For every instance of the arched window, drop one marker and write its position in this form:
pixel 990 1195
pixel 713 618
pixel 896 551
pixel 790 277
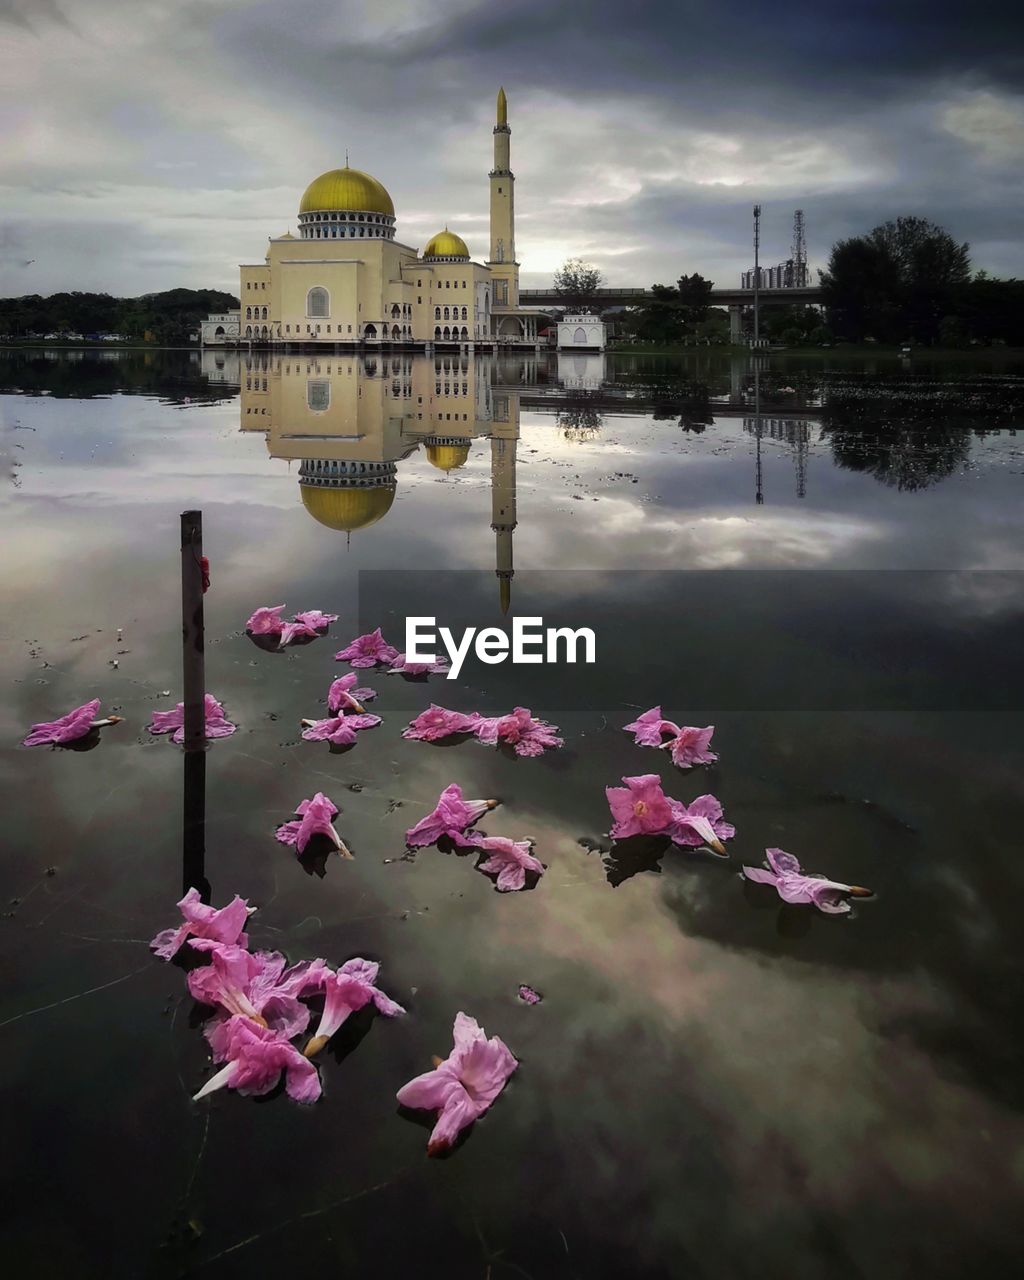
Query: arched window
pixel 465 314
pixel 370 332
pixel 248 330
pixel 318 303
pixel 396 311
pixel 437 313
pixel 396 334
pixel 446 316
pixel 318 394
pixel 248 313
pixel 580 335
pixel 264 313
pixel 465 334
pixel 447 332
pixel 219 333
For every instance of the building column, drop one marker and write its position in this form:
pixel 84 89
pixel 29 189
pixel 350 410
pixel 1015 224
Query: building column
pixel 736 325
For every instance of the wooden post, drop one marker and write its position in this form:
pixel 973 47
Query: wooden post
pixel 193 827
pixel 192 630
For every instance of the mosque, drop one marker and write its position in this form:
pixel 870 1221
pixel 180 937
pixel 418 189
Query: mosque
pixel 345 279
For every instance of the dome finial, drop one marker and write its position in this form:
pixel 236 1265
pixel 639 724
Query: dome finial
pixel 346 157
pixel 502 107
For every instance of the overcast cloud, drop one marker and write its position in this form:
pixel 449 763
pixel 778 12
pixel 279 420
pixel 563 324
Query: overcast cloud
pixel 158 143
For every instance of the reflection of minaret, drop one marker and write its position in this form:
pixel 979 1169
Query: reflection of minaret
pixel 503 489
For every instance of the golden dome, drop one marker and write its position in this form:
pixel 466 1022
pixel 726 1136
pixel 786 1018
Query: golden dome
pixel 346 189
pixel 347 509
pixel 446 244
pixel 448 457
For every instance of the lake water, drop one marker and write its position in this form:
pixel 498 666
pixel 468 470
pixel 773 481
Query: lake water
pixel 821 557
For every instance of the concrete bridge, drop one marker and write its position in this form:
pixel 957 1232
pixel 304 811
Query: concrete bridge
pixel 734 299
pixel 637 297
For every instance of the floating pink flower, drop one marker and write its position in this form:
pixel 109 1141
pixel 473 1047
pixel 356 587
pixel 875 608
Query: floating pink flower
pixel 340 731
pixel 794 886
pixel 255 1058
pixel 223 924
pixel 351 988
pixel 463 1086
pixel 686 745
pixel 640 807
pixel 69 728
pixel 528 995
pixel 266 621
pixel 256 985
pixel 217 725
pixel 344 696
pixel 400 667
pixel 306 626
pixel 436 723
pixel 368 651
pixel 700 823
pixel 452 817
pixel 315 818
pixel 521 731
pixel 509 860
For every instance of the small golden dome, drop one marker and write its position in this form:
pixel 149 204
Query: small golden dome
pixel 448 457
pixel 346 189
pixel 446 244
pixel 347 509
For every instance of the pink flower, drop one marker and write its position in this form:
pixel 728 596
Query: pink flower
pixel 686 745
pixel 528 736
pixel 510 860
pixel 342 694
pixel 315 818
pixel 217 726
pixel 795 887
pixel 450 818
pixel 69 728
pixel 368 651
pixel 700 823
pixel 259 986
pixel 349 989
pixel 266 621
pixel 528 995
pixel 338 730
pixel 463 1086
pixel 224 924
pixel 640 807
pixel 400 666
pixel 306 626
pixel 436 723
pixel 255 1057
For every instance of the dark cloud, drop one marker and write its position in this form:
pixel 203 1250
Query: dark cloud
pixel 642 135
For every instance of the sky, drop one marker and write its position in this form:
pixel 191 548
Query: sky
pixel 152 144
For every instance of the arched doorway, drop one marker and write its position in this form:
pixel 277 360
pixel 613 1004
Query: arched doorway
pixel 370 331
pixel 219 331
pixel 396 333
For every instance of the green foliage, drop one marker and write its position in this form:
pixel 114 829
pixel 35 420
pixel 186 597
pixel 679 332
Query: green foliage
pixel 577 281
pixel 169 317
pixel 677 313
pixel 896 283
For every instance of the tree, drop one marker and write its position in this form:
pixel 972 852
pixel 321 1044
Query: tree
pixel 577 282
pixel 897 282
pixel 694 298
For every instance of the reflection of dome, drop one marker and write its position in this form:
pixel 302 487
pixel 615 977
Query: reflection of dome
pixel 446 244
pixel 347 509
pixel 447 454
pixel 346 189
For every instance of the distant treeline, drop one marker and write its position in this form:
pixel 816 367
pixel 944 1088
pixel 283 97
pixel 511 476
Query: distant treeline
pixel 168 317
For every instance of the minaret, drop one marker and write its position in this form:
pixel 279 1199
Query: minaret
pixel 503 265
pixel 504 438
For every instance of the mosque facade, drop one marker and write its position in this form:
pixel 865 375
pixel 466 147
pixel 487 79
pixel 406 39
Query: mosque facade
pixel 346 278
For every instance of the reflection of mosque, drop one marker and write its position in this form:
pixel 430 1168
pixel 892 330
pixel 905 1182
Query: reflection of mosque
pixel 349 420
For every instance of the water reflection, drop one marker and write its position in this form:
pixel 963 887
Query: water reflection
pixel 350 420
